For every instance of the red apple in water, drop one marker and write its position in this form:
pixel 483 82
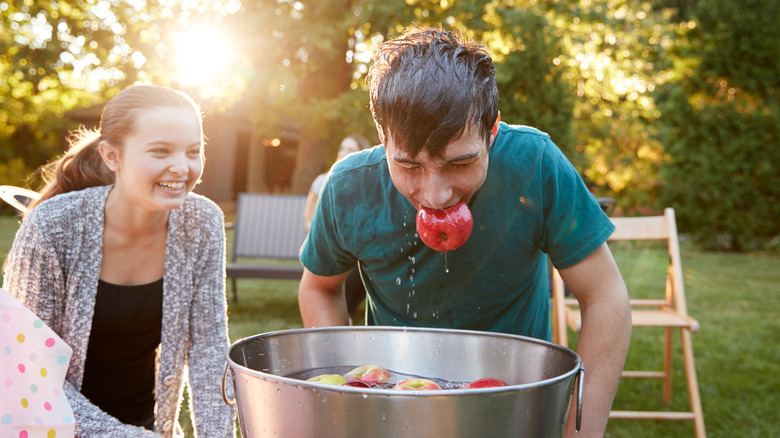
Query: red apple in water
pixel 357 384
pixel 416 384
pixel 487 382
pixel 328 379
pixel 371 374
pixel 445 230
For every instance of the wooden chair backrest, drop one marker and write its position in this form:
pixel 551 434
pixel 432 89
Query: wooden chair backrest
pixel 659 228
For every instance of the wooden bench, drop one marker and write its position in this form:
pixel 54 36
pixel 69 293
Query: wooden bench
pixel 267 227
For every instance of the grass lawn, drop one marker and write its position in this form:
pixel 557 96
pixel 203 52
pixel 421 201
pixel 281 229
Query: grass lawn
pixel 735 297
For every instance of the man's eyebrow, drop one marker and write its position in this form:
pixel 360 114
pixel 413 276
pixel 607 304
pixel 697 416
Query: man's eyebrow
pixel 465 157
pixel 406 160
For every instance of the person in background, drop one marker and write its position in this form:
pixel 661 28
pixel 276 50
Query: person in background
pixel 354 291
pixel 127 266
pixel 434 100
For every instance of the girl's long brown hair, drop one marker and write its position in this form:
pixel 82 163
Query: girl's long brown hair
pixel 82 166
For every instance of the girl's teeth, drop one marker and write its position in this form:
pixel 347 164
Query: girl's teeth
pixel 173 186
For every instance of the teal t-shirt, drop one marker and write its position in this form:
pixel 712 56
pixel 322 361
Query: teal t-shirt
pixel 533 204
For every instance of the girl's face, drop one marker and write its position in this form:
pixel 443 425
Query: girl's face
pixel 161 161
pixel 347 146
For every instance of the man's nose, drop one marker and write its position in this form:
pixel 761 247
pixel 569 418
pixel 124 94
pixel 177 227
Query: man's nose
pixel 436 190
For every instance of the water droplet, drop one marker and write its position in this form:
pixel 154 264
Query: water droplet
pixel 415 315
pixel 278 390
pixel 365 396
pixel 446 267
pixel 384 417
pixel 398 281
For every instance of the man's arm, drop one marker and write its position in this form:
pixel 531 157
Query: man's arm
pixel 603 342
pixel 321 300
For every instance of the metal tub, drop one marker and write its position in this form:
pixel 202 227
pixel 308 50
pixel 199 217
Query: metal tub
pixel 541 376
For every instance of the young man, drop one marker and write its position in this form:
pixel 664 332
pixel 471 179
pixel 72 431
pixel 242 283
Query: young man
pixel 435 104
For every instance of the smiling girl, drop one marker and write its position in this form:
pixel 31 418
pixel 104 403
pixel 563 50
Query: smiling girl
pixel 127 266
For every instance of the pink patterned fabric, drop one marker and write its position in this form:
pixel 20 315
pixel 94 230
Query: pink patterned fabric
pixel 33 363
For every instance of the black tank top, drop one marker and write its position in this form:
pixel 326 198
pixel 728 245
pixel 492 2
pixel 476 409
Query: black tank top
pixel 121 354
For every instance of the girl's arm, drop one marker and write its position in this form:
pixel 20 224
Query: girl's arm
pixel 209 334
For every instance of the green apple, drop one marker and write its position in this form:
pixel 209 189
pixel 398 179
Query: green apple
pixel 328 379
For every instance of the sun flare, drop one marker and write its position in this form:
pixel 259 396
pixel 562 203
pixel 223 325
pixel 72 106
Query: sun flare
pixel 203 54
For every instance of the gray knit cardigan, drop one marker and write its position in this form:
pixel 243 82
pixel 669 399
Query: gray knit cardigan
pixel 53 269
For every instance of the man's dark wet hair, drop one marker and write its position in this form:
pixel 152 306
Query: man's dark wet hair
pixel 427 86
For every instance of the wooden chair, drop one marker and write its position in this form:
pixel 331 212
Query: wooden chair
pixel 19 198
pixel 267 227
pixel 669 312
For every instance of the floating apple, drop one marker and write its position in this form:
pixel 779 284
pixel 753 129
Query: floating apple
pixel 487 382
pixel 328 379
pixel 445 230
pixel 370 374
pixel 416 384
pixel 357 384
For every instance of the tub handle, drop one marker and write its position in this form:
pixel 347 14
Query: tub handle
pixel 232 402
pixel 580 378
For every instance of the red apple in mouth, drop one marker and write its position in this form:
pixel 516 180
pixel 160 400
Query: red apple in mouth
pixel 487 382
pixel 416 385
pixel 445 230
pixel 328 379
pixel 370 374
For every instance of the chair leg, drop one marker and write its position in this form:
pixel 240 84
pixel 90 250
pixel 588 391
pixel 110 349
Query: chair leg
pixel 667 384
pixel 235 289
pixel 693 383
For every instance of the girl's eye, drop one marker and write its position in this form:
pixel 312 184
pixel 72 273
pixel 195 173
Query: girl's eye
pixel 459 166
pixel 412 169
pixel 194 153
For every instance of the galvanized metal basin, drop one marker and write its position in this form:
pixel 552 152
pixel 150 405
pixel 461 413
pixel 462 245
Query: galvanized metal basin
pixel 541 376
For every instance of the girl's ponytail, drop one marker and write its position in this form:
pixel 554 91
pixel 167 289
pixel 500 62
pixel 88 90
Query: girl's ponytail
pixel 80 167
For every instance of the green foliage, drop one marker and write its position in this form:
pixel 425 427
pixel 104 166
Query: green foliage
pixel 531 85
pixel 639 95
pixel 616 55
pixel 722 127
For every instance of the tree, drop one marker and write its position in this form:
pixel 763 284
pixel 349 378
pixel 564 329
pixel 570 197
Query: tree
pixel 722 124
pixel 60 55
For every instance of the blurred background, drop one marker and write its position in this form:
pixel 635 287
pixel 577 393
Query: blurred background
pixel 657 103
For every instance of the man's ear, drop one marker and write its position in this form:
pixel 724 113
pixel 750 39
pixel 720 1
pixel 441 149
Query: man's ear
pixel 494 129
pixel 110 155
